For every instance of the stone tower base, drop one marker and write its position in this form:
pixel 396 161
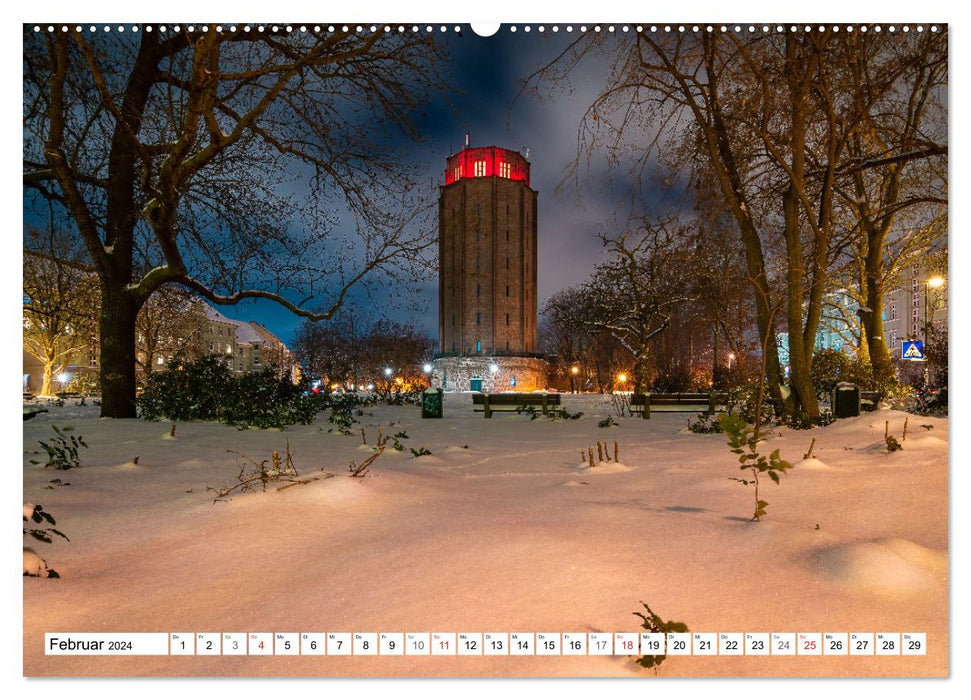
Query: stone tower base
pixel 510 373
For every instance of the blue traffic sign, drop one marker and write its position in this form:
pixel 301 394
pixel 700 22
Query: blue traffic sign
pixel 912 350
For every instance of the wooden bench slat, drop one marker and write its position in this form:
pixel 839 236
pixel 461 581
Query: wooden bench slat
pixel 512 402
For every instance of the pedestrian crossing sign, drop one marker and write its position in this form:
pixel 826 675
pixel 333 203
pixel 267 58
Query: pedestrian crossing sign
pixel 912 350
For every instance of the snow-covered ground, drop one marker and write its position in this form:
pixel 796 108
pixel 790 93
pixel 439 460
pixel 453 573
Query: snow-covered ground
pixel 500 529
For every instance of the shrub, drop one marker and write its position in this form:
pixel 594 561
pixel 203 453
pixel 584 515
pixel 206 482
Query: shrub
pixel 742 400
pixel 654 623
pixel 62 449
pixel 207 389
pixel 707 422
pixel 743 441
pixel 801 420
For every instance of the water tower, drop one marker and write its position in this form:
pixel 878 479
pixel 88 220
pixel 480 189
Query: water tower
pixel 487 247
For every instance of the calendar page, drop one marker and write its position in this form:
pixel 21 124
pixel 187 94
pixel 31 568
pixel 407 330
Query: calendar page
pixel 525 350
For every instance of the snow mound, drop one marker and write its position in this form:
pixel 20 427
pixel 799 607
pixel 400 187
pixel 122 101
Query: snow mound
pixel 33 564
pixel 812 463
pixel 28 511
pixel 889 567
pixel 128 466
pixel 605 468
pixel 429 459
pixel 924 440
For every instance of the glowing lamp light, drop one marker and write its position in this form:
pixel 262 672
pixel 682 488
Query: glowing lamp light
pixel 387 372
pixel 426 368
pixel 399 380
pixel 621 377
pixel 493 368
pixel 370 387
pixel 64 377
pixel 935 281
pixel 575 370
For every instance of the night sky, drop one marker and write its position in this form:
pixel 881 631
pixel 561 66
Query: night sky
pixel 487 74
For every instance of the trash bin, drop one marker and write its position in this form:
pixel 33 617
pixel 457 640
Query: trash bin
pixel 846 400
pixel 431 403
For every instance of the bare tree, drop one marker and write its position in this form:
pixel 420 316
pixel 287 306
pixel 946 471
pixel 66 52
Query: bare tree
pixel 60 306
pixel 633 295
pixel 770 120
pixel 171 321
pixel 218 158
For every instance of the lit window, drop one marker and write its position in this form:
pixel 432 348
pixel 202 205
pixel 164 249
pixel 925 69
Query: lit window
pixel 161 360
pixel 504 170
pixel 512 381
pixel 457 172
pixel 478 346
pixel 480 168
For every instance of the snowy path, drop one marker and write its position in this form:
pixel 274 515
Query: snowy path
pixel 506 535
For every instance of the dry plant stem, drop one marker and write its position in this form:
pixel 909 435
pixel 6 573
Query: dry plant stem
pixel 616 452
pixel 809 454
pixel 886 429
pixel 600 453
pixel 172 432
pixel 363 437
pixel 904 437
pixel 583 457
pixel 590 452
pixel 359 471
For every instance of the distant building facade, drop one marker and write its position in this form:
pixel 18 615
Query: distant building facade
pixel 244 346
pixel 905 305
pixel 835 332
pixel 487 245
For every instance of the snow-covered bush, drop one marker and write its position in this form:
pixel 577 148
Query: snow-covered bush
pixel 706 422
pixel 207 389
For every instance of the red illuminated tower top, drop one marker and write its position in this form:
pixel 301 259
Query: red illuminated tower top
pixel 488 161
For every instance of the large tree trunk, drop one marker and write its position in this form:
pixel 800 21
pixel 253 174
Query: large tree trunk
pixel 883 370
pixel 117 333
pixel 47 386
pixel 800 355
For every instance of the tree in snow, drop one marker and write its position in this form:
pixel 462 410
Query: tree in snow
pixel 60 307
pixel 218 158
pixel 779 125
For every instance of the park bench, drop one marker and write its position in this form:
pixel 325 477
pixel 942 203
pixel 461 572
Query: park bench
pixel 489 403
pixel 693 402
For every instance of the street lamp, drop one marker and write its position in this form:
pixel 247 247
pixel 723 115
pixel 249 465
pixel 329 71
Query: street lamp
pixel 387 372
pixel 935 282
pixel 731 356
pixel 426 368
